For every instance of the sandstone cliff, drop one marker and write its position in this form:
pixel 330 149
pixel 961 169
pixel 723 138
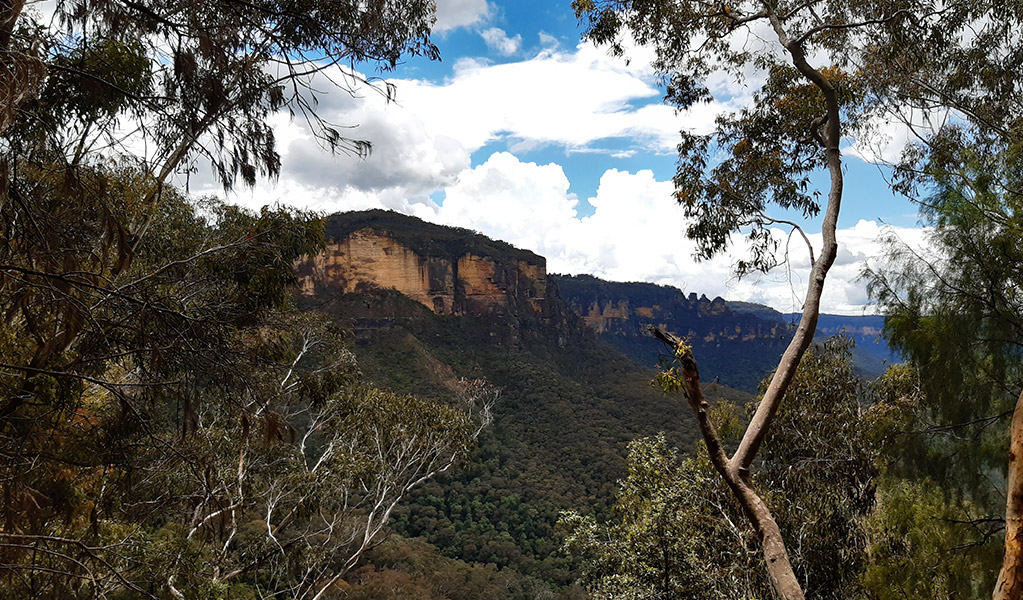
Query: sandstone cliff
pixel 452 271
pixel 449 274
pixel 626 309
pixel 737 347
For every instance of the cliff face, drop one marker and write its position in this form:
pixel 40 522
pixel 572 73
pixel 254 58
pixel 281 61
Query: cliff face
pixel 606 315
pixel 453 271
pixel 466 284
pixel 625 309
pixel 737 347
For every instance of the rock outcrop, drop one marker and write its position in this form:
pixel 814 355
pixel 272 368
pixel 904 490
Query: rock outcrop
pixel 448 281
pixel 625 309
pixel 737 347
pixel 454 271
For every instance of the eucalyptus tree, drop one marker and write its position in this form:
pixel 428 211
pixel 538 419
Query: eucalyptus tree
pixel 953 310
pixel 194 77
pixel 296 490
pixel 794 127
pixel 826 71
pixel 130 94
pixel 148 337
pixel 200 438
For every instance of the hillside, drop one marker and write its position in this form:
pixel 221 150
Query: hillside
pixel 428 305
pixel 569 403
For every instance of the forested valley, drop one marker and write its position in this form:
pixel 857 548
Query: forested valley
pixel 199 400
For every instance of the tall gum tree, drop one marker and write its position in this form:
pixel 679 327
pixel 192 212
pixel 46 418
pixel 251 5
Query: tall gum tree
pixel 954 82
pixel 112 283
pixel 813 96
pixel 955 313
pixel 149 89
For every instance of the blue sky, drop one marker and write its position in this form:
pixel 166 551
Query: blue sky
pixel 869 195
pixel 527 134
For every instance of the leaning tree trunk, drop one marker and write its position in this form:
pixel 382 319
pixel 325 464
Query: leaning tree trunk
pixel 1010 579
pixel 735 470
pixel 776 557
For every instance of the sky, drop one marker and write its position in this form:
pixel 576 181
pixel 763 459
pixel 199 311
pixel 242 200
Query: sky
pixel 527 134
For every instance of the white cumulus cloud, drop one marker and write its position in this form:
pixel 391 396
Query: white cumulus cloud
pixel 571 99
pixel 636 233
pixel 499 41
pixel 452 14
pixel 574 99
pixel 423 139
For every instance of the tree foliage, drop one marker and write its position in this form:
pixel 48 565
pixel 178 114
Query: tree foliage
pixel 761 155
pixel 168 424
pixel 657 545
pixel 178 427
pixel 954 311
pixel 134 94
pixel 835 70
pixel 679 533
pixel 164 83
pixel 794 126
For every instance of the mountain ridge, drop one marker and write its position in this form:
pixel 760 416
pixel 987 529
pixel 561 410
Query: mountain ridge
pixel 456 271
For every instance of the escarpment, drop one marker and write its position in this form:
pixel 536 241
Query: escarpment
pixel 447 274
pixel 738 347
pixel 625 309
pixel 511 299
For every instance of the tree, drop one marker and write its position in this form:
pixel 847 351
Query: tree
pixel 199 436
pixel 649 551
pixel 955 313
pixel 794 127
pixel 21 68
pixel 81 412
pixel 678 531
pixel 196 77
pixel 830 70
pixel 134 94
pixel 296 517
pixel 154 374
pixel 950 75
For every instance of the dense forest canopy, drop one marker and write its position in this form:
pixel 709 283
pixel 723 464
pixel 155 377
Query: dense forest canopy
pixel 178 421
